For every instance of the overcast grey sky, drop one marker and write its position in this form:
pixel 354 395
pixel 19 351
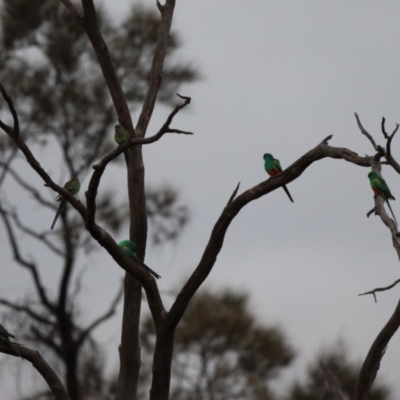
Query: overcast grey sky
pixel 278 77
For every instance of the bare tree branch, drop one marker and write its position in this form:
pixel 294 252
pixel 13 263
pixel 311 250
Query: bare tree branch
pixel 10 103
pixel 100 47
pixel 365 132
pixel 389 156
pixel 6 165
pixel 167 12
pixel 385 135
pixel 373 292
pixel 233 195
pixel 48 374
pixel 372 362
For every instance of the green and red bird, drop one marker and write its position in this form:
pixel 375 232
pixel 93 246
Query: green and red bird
pixel 273 167
pixel 72 186
pixel 380 187
pixel 121 136
pixel 129 248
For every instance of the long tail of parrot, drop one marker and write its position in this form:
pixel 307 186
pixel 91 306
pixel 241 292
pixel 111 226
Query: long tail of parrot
pixel 148 269
pixel 390 208
pixel 287 192
pixel 61 207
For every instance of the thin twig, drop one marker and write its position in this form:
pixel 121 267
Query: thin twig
pixel 167 12
pixel 233 195
pixel 382 289
pixel 389 156
pixel 364 132
pixel 10 103
pixel 385 135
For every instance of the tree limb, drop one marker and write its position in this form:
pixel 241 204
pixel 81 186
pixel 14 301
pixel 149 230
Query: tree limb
pixel 10 103
pixel 365 132
pixel 44 369
pixel 373 292
pixel 100 47
pixel 167 12
pixel 372 362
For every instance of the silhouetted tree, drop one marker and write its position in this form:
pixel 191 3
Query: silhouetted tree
pixel 51 70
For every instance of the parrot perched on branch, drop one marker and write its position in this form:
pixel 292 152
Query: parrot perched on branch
pixel 129 248
pixel 121 136
pixel 5 337
pixel 380 187
pixel 273 167
pixel 72 186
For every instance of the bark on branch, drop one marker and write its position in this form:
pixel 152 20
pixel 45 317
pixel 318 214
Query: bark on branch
pixel 44 369
pixel 372 362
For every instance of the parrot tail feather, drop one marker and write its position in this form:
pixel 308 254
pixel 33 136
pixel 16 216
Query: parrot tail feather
pixel 287 192
pixel 60 208
pixel 390 208
pixel 148 269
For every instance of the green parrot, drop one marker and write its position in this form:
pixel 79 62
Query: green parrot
pixel 129 248
pixel 273 167
pixel 121 136
pixel 5 337
pixel 72 186
pixel 380 187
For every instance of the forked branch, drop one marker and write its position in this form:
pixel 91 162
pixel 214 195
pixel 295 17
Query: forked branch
pixel 382 289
